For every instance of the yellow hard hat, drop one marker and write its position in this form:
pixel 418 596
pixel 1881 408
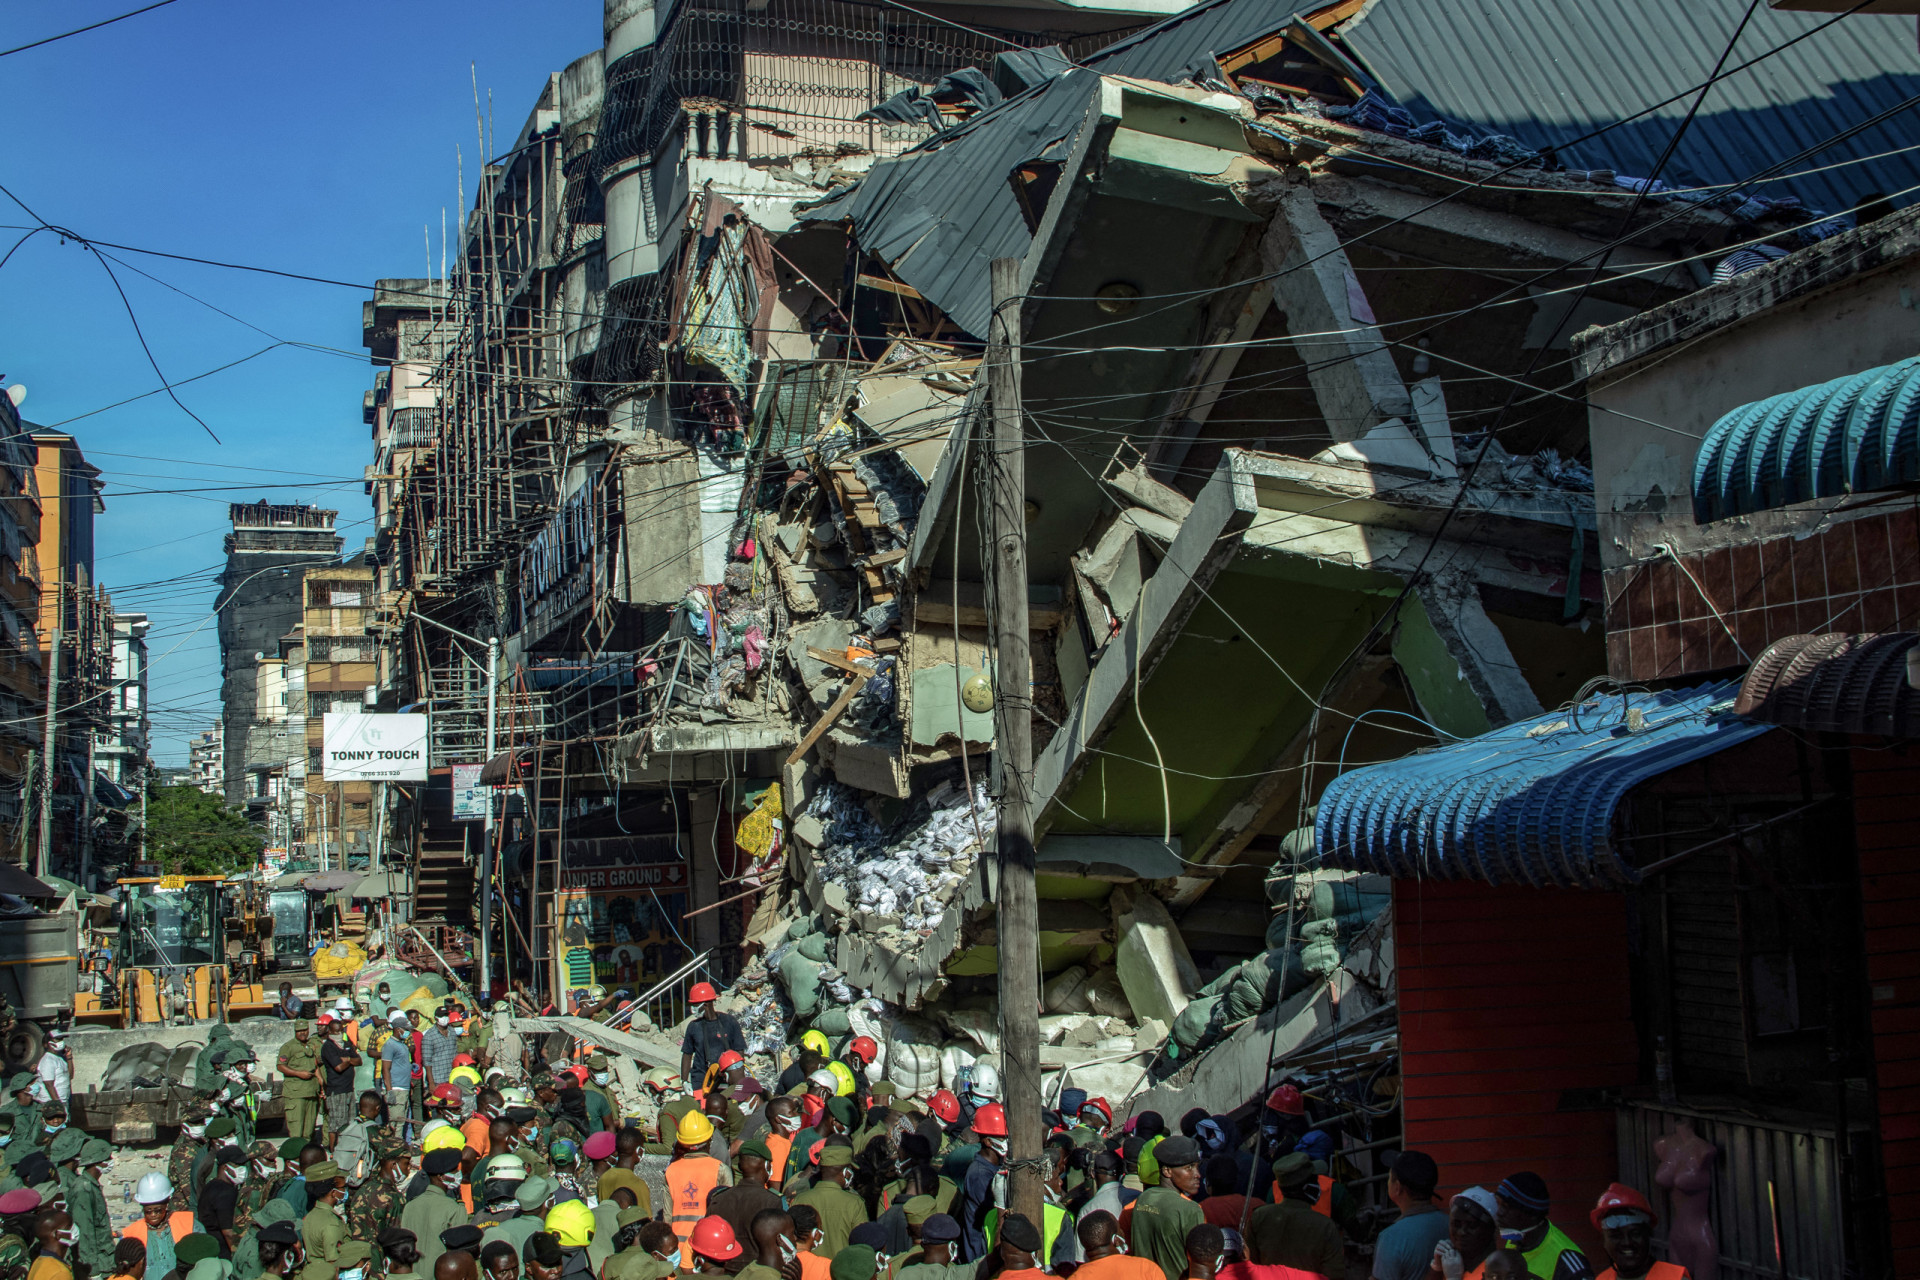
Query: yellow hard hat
pixel 447 1136
pixel 694 1130
pixel 596 992
pixel 817 1041
pixel 464 1075
pixel 843 1077
pixel 571 1222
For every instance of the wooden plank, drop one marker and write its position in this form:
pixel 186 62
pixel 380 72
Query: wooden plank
pixel 889 286
pixel 826 721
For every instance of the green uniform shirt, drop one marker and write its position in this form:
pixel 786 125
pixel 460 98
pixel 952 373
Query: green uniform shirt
pixel 514 1231
pixel 1289 1234
pixel 322 1232
pixel 301 1057
pixel 1161 1219
pixel 88 1206
pixel 637 1264
pixel 841 1211
pixel 430 1213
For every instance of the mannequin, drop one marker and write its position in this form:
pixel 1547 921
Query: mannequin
pixel 1686 1171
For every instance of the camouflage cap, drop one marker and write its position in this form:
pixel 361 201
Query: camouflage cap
pixel 96 1151
pixel 542 1080
pixel 21 1082
pixel 195 1111
pixel 263 1150
pixel 66 1145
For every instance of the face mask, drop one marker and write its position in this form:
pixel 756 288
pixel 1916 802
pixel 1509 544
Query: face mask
pixel 235 1175
pixel 600 1077
pixel 5 1138
pixel 445 1021
pixel 237 1076
pixel 788 1124
pixel 68 1237
pixel 353 1273
pixel 264 1170
pixel 401 1177
pixel 452 1184
pixel 997 1145
pixel 54 1128
pixel 533 1134
pixel 788 1251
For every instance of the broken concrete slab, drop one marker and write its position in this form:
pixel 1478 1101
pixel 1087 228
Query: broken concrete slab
pixel 1155 968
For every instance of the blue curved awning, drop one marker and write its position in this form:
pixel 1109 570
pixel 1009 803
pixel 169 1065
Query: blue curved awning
pixel 1853 434
pixel 1531 803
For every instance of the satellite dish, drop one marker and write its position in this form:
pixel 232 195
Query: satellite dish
pixel 17 393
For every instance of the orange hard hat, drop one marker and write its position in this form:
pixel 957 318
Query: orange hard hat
pixel 1621 1198
pixel 990 1121
pixel 730 1059
pixel 463 1060
pixel 446 1092
pixel 864 1048
pixel 944 1105
pixel 703 993
pixel 1287 1101
pixel 713 1238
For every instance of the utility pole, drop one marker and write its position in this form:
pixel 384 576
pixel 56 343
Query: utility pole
pixel 1018 908
pixel 483 974
pixel 44 862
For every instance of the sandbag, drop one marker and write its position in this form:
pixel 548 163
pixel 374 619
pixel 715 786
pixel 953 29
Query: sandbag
pixel 424 1000
pixel 914 1068
pixel 801 979
pixel 1067 992
pixel 1107 997
pixel 1199 1023
pixel 979 1026
pixel 815 947
pixel 833 1021
pixel 339 961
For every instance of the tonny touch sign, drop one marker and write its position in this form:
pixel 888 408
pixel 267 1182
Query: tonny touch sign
pixel 359 747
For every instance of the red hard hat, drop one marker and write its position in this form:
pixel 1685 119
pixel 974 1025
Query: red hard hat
pixel 944 1105
pixel 990 1121
pixel 713 1238
pixel 703 993
pixel 447 1092
pixel 1621 1198
pixel 463 1060
pixel 1287 1101
pixel 730 1059
pixel 1100 1103
pixel 325 1019
pixel 864 1048
pixel 578 1073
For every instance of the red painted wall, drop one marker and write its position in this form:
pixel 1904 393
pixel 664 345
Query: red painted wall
pixel 1887 830
pixel 1509 996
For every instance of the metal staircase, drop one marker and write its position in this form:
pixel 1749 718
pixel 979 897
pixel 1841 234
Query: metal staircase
pixel 443 881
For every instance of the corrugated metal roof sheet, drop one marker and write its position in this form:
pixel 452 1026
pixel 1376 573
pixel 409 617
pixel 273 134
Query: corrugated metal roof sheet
pixel 1531 803
pixel 938 214
pixel 1836 683
pixel 1547 71
pixel 1853 434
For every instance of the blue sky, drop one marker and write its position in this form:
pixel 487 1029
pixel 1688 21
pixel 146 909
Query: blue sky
pixel 314 138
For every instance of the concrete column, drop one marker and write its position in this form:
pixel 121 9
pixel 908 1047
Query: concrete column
pixel 1456 661
pixel 1352 373
pixel 704 868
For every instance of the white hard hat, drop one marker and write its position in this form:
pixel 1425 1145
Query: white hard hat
pixel 507 1168
pixel 343 1004
pixel 985 1082
pixel 153 1188
pixel 825 1079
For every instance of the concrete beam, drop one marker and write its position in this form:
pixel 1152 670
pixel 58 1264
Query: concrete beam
pixel 1207 540
pixel 1473 685
pixel 1352 374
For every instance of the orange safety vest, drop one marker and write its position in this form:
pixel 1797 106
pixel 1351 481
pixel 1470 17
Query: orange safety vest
pixel 1324 1205
pixel 1659 1271
pixel 180 1221
pixel 690 1180
pixel 778 1147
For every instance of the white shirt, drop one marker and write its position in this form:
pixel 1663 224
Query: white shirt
pixel 56 1079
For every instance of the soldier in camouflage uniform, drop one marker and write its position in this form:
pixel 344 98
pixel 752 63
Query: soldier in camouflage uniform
pixel 17 1211
pixel 553 1122
pixel 236 1096
pixel 380 1200
pixel 21 1106
pixel 263 1159
pixel 187 1148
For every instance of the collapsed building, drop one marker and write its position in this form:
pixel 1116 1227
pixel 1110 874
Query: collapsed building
pixel 692 431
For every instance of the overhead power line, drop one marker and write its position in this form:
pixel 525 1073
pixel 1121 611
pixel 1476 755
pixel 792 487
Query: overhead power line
pixel 92 26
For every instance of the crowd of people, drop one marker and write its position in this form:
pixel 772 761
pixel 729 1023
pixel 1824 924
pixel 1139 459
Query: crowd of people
pixel 415 1146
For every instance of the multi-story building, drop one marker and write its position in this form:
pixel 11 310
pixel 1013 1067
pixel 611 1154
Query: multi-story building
pixel 23 680
pixel 259 602
pixel 207 760
pixel 76 622
pixel 336 659
pixel 121 749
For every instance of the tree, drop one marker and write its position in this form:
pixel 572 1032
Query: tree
pixel 192 833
